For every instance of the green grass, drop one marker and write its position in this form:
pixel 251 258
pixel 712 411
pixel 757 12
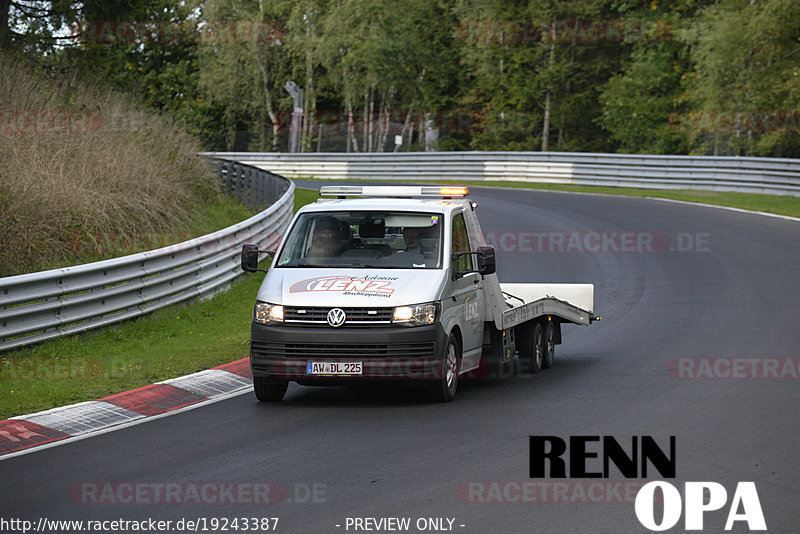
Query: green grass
pixel 171 342
pixel 778 204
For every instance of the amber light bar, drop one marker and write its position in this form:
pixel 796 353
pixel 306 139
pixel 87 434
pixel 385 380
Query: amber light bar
pixel 392 191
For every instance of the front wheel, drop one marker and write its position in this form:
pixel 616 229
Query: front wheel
pixel 267 390
pixel 444 389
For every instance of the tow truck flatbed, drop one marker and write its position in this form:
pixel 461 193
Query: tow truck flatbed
pixel 529 301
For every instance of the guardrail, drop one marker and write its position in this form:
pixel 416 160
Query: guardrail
pixel 48 304
pixel 748 175
pixel 253 187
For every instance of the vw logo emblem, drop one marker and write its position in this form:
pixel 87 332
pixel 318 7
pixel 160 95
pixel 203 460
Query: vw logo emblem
pixel 336 317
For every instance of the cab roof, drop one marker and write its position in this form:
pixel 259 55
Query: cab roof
pixel 386 204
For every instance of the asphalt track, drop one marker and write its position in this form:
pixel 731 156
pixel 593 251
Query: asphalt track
pixel 732 293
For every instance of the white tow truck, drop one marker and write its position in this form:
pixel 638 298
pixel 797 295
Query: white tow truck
pixel 397 283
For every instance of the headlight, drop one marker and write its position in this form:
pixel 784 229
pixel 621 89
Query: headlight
pixel 415 315
pixel 265 313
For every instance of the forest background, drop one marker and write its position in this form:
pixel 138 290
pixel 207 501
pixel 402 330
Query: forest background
pixel 657 77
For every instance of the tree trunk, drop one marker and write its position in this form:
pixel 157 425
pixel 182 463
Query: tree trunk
pixel 546 125
pixel 309 103
pixel 407 124
pixel 352 141
pixel 5 32
pixel 387 114
pixel 378 125
pixel 276 127
pixel 273 117
pixel 562 121
pixel 387 122
pixel 370 130
pixel 365 122
pixel 422 130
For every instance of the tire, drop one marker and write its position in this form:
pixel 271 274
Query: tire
pixel 444 389
pixel 267 390
pixel 531 349
pixel 549 345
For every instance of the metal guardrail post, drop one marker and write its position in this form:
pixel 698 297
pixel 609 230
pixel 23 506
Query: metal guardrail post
pixel 751 175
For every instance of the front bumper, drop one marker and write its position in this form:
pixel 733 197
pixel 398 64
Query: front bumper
pixel 386 352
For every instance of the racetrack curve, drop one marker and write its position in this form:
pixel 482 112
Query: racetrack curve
pixel 734 292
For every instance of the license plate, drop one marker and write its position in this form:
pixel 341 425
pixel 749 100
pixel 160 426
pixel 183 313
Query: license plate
pixel 335 368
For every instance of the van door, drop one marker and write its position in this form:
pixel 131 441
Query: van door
pixel 468 295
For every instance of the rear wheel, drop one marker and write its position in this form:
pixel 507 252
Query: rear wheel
pixel 268 390
pixel 444 389
pixel 549 345
pixel 531 348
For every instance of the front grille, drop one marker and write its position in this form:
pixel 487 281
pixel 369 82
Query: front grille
pixel 334 351
pixel 318 314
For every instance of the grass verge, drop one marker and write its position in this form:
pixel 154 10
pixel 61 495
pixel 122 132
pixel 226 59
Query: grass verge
pixel 85 167
pixel 171 342
pixel 223 211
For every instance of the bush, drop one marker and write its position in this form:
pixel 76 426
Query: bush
pixel 79 164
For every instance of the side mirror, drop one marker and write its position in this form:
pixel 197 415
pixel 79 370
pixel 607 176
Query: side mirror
pixel 486 260
pixel 250 258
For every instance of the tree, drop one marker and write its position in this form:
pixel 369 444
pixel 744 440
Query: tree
pixel 536 69
pixel 245 68
pixel 642 105
pixel 34 26
pixel 745 90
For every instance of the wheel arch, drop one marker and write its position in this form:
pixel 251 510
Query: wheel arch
pixel 456 333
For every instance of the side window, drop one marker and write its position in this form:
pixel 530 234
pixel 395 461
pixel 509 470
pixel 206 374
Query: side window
pixel 461 243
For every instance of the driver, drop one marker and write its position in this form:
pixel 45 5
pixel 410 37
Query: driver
pixel 326 240
pixel 413 239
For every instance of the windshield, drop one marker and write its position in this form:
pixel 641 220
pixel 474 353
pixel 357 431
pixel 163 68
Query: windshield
pixel 387 240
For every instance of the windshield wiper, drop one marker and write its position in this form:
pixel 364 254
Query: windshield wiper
pixel 329 266
pixel 302 265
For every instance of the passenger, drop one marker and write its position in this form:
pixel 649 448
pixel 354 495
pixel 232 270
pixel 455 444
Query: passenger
pixel 413 239
pixel 327 241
